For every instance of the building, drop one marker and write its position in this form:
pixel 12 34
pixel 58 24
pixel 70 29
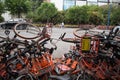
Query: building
pixel 65 4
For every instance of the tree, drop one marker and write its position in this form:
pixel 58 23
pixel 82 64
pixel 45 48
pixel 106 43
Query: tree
pixel 115 17
pixel 1 7
pixel 103 10
pixel 46 12
pixel 36 4
pixel 95 17
pixel 1 10
pixel 59 17
pixel 77 15
pixel 32 15
pixel 18 7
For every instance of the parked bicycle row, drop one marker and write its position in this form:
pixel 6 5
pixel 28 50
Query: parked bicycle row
pixel 95 56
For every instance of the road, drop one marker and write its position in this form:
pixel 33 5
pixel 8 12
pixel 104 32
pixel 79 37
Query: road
pixel 62 47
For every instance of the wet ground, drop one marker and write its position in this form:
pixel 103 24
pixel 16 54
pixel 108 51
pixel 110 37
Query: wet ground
pixel 62 47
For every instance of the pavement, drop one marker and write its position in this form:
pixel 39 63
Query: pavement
pixel 62 47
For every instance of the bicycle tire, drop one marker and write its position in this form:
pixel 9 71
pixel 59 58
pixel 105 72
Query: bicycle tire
pixel 83 33
pixel 29 27
pixel 25 77
pixel 71 40
pixel 85 76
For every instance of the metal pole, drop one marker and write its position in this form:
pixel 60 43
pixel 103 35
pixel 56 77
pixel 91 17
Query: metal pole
pixel 75 2
pixel 63 4
pixel 87 2
pixel 109 12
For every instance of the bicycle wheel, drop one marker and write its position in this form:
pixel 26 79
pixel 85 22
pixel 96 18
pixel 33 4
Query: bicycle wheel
pixel 81 33
pixel 85 76
pixel 71 40
pixel 25 77
pixel 26 30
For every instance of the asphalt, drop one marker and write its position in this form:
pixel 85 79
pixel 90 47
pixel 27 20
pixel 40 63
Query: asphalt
pixel 62 47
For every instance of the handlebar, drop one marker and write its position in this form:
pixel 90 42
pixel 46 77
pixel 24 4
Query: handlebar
pixel 62 35
pixel 70 40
